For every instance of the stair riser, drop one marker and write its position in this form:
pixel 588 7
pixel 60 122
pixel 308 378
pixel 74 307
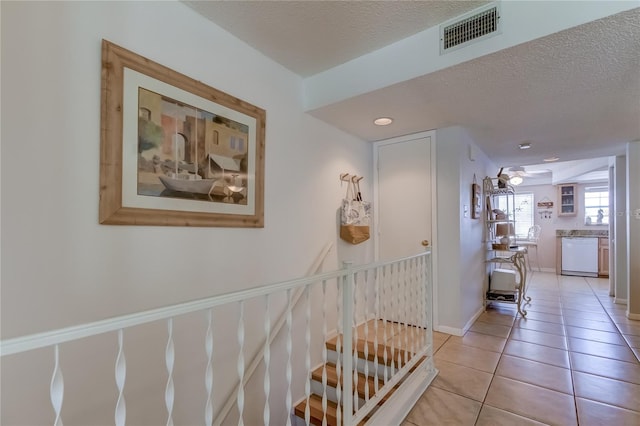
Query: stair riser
pixel 333 357
pixel 316 387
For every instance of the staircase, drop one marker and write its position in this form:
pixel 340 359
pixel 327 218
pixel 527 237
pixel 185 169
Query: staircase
pixel 383 347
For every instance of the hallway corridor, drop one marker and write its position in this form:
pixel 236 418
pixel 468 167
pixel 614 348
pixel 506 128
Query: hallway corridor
pixel 574 360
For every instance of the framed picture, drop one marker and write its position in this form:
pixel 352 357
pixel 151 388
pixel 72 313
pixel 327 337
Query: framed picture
pixel 174 151
pixel 476 202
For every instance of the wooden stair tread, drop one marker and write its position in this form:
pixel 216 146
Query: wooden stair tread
pixel 399 337
pixel 315 401
pixel 315 411
pixel 332 379
pixel 395 355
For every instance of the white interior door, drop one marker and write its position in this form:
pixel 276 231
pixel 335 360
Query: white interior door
pixel 403 203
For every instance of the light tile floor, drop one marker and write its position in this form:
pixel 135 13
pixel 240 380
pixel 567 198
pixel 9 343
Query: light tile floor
pixel 573 360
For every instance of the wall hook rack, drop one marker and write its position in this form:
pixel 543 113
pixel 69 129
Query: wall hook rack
pixel 346 177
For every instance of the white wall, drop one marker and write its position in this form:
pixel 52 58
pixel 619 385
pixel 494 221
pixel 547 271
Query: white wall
pixel 633 229
pixel 461 273
pixel 619 246
pixel 547 241
pixel 60 267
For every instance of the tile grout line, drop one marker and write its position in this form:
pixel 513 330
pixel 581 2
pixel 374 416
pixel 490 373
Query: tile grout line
pixel 493 374
pixel 612 321
pixel 566 338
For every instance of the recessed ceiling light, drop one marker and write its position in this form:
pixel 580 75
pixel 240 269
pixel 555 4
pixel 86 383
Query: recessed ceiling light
pixel 524 145
pixel 383 121
pixel 551 159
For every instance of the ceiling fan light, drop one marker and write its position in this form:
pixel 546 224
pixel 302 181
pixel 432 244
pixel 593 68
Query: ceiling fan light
pixel 515 180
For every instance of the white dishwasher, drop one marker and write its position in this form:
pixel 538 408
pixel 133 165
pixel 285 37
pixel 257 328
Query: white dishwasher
pixel 580 256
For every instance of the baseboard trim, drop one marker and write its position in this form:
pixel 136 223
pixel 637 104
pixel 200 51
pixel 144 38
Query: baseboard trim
pixel 449 330
pixel 473 319
pixel 633 316
pixel 398 406
pixel 459 331
pixel 620 301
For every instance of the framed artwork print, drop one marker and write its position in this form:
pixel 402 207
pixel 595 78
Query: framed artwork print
pixel 174 151
pixel 476 202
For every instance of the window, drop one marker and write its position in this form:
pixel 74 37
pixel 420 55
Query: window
pixel 596 205
pixel 523 212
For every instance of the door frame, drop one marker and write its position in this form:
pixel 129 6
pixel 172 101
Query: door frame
pixel 433 244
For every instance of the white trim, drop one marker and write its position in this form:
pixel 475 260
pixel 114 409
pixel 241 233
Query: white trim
pixel 633 316
pixel 431 134
pixel 435 315
pixel 469 323
pixel 619 301
pixel 398 406
pixel 449 330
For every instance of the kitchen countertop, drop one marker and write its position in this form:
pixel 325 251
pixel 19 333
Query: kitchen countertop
pixel 582 233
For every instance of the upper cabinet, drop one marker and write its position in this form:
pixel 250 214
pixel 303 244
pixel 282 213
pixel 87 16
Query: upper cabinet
pixel 568 200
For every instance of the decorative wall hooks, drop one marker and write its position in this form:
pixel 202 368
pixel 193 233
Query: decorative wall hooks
pixel 545 208
pixel 346 177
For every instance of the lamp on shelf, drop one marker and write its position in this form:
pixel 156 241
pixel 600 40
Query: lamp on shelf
pixel 505 234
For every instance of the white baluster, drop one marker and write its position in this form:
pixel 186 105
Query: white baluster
pixel 324 353
pixel 419 306
pixel 339 290
pixel 376 317
pixel 354 324
pixel 208 378
pixel 56 390
pixel 289 352
pixel 307 361
pixel 405 304
pixel 240 363
pixel 267 361
pixel 347 320
pixel 169 356
pixel 121 374
pixel 366 339
pixel 385 302
pixel 413 299
pixel 393 276
pixel 427 306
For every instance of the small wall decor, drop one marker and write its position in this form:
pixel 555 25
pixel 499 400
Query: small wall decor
pixel 476 201
pixel 175 151
pixel 355 213
pixel 545 208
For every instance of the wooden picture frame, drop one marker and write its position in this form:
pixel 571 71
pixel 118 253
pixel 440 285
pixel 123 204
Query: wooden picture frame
pixel 174 151
pixel 476 201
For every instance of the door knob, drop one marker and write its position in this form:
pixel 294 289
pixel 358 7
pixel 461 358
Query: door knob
pixel 425 243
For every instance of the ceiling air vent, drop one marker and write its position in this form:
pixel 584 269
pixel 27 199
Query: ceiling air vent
pixel 473 26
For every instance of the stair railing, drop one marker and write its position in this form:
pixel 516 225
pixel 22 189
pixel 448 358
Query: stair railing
pixel 270 335
pixel 398 289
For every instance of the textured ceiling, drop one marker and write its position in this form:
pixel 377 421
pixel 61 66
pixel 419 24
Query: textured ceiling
pixel 574 94
pixel 308 37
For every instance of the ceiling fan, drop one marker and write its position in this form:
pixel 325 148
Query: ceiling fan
pixel 518 173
